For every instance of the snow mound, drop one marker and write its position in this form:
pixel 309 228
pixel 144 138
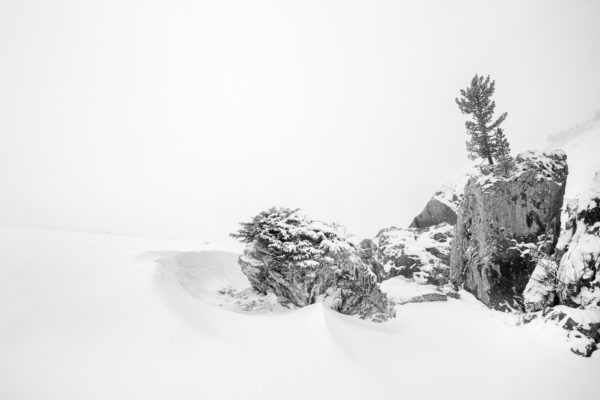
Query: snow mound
pixel 215 278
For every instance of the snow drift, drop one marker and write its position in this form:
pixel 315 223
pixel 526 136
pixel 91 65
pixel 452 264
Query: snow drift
pixel 91 316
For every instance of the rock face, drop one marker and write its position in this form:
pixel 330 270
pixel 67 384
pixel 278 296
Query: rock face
pixel 441 208
pixel 500 219
pixel 303 261
pixel 411 264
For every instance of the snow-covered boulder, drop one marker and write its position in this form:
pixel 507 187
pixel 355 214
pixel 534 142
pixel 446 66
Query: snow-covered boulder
pixel 501 219
pixel 419 254
pixel 441 208
pixel 573 281
pixel 303 261
pixel 412 264
pixel 579 266
pixel 540 291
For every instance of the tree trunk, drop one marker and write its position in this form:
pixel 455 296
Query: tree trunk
pixel 486 145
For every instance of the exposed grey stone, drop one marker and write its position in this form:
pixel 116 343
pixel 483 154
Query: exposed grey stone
pixel 434 213
pixel 419 254
pixel 428 297
pixel 441 208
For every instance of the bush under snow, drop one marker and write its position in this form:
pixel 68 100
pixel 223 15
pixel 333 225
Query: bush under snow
pixel 303 261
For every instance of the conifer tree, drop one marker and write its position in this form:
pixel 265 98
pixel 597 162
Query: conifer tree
pixel 502 152
pixel 476 101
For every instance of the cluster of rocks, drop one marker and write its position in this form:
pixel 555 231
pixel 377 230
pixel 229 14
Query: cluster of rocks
pixel 420 254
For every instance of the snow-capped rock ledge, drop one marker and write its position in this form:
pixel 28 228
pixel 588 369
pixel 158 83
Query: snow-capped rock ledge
pixel 499 217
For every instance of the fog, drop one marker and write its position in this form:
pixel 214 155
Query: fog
pixel 178 119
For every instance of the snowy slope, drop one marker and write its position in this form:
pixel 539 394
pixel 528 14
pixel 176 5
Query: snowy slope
pixel 89 316
pixel 582 146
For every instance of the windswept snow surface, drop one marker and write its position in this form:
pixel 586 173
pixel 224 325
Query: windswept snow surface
pixel 92 316
pixel 582 146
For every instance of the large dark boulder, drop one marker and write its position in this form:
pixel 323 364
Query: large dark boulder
pixel 500 219
pixel 441 208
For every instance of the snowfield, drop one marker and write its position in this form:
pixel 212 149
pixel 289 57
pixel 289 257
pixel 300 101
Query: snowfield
pixel 582 145
pixel 94 316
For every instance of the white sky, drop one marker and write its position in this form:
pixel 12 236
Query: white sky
pixel 181 118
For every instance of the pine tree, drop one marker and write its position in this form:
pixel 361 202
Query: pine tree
pixel 476 101
pixel 502 152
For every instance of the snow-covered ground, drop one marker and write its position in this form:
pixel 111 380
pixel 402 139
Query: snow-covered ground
pixel 582 146
pixel 93 316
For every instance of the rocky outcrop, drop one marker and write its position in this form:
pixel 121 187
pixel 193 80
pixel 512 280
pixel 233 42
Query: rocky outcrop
pixel 441 208
pixel 571 276
pixel 428 297
pixel 565 288
pixel 303 261
pixel 411 264
pixel 501 219
pixel 582 326
pixel 419 254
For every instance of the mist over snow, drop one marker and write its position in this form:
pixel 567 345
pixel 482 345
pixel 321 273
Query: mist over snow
pixel 180 118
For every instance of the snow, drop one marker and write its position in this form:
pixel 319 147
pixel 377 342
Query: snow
pixel 451 191
pixel 582 146
pixel 582 258
pixel 449 194
pixel 401 290
pixel 540 288
pixel 94 316
pixel 215 278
